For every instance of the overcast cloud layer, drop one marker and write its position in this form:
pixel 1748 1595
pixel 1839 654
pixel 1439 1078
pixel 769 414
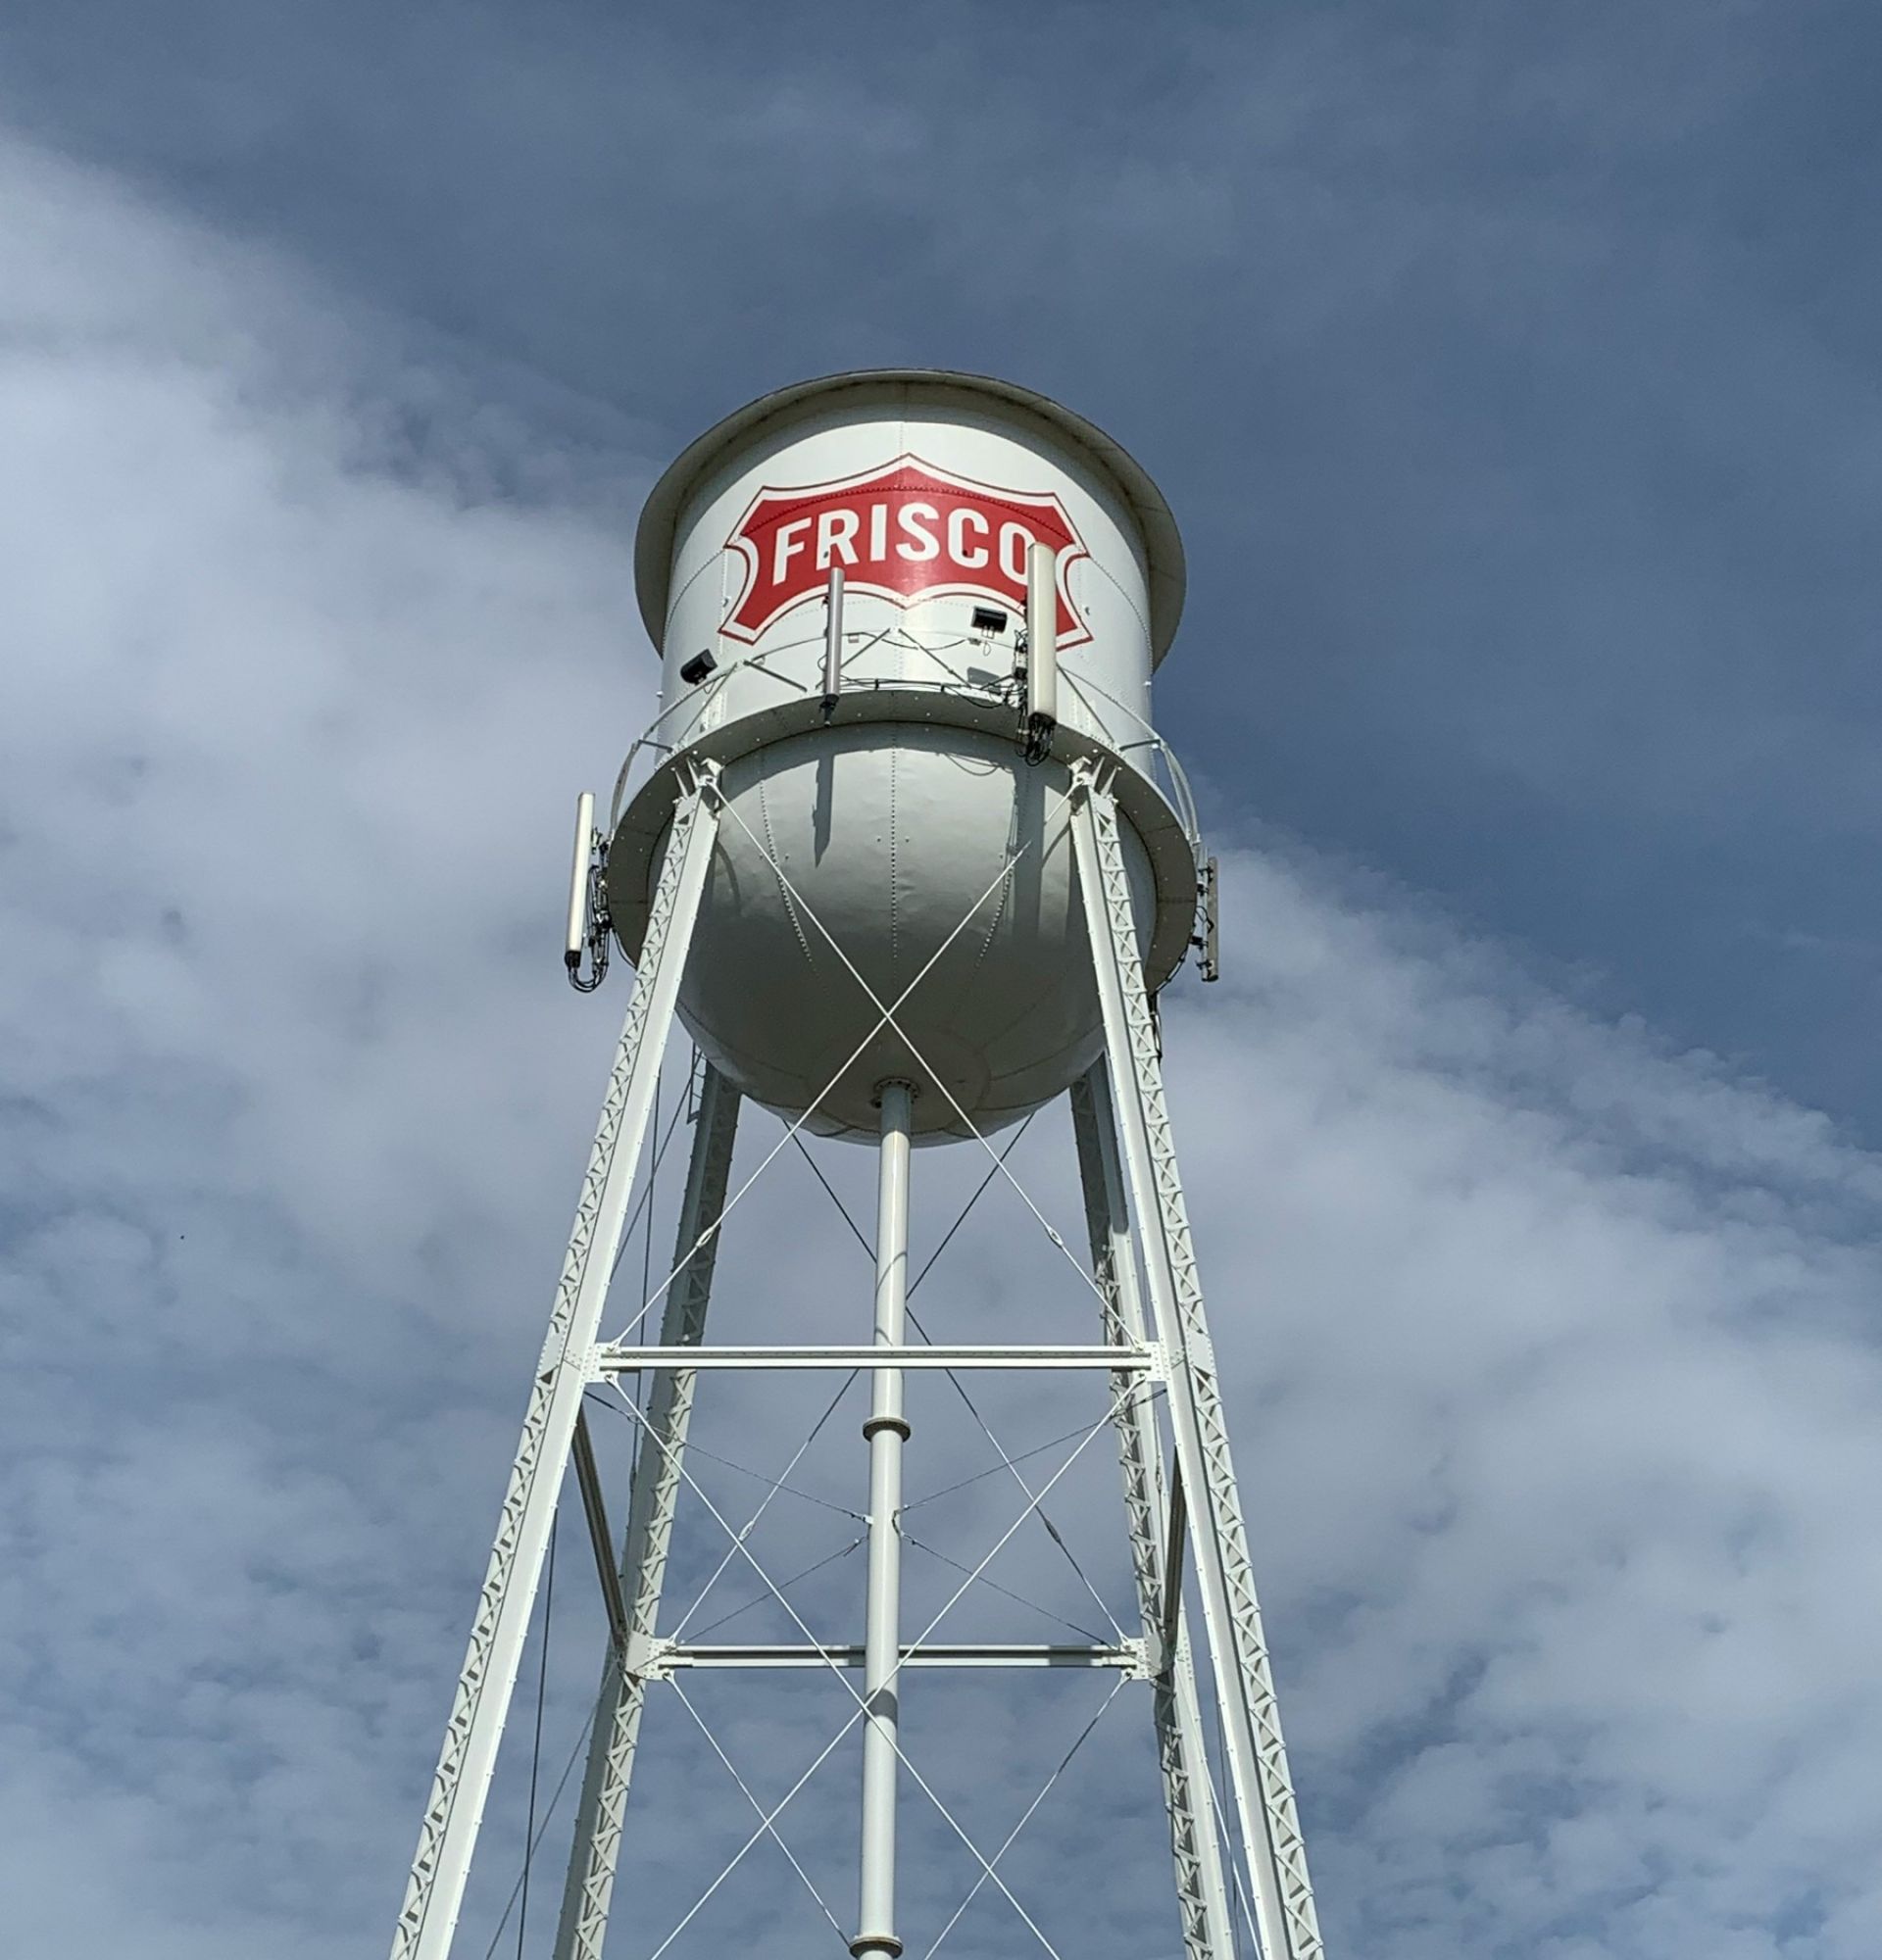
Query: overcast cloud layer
pixel 1552 1348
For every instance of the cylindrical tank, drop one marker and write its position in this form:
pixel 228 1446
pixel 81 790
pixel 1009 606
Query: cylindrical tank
pixel 904 837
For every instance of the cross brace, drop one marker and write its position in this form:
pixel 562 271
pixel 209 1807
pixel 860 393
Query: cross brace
pixel 595 1509
pixel 615 1360
pixel 654 1660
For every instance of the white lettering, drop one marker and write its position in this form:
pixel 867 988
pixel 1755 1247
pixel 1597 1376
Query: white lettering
pixel 879 532
pixel 1016 541
pixel 784 548
pixel 834 530
pixel 959 520
pixel 908 520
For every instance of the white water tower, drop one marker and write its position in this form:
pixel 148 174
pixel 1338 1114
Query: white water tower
pixel 905 855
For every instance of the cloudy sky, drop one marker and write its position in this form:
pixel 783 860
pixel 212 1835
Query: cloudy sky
pixel 1513 374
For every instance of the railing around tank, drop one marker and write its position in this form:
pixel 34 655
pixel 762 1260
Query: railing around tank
pixel 1146 752
pixel 1162 805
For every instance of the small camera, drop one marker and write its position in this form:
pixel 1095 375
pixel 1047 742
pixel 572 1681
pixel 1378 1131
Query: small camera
pixel 697 668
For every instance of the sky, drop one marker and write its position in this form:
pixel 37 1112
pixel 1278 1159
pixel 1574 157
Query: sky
pixel 1512 376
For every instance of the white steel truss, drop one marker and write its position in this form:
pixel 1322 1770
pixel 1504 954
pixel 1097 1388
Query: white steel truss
pixel 454 1813
pixel 653 1492
pixel 866 1709
pixel 1271 1827
pixel 1136 1214
pixel 1201 1896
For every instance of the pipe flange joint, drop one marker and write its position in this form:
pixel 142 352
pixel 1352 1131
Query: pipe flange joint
pixel 874 1943
pixel 894 1422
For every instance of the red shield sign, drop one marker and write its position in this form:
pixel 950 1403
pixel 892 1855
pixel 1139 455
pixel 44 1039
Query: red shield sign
pixel 903 532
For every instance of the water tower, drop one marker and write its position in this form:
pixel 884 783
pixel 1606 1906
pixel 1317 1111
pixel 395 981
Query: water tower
pixel 904 854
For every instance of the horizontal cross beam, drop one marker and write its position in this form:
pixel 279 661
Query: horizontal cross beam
pixel 663 1656
pixel 614 1359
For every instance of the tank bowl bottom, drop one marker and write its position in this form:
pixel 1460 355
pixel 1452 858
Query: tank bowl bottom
pixel 892 858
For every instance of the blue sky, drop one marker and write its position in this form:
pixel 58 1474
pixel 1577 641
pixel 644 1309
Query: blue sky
pixel 1512 372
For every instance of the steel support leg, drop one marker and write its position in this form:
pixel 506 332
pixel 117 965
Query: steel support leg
pixel 447 1835
pixel 652 1497
pixel 1201 1895
pixel 887 1431
pixel 1244 1687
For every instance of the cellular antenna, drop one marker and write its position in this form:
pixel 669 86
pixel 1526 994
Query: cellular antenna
pixel 578 880
pixel 1041 648
pixel 833 639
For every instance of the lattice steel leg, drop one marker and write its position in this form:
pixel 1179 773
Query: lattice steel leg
pixel 1244 1687
pixel 448 1835
pixel 653 1493
pixel 1202 1894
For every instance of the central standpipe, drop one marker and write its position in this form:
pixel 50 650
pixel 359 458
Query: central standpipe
pixel 887 1431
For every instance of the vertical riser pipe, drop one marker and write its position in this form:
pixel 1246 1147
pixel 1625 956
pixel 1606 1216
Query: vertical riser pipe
pixel 887 1430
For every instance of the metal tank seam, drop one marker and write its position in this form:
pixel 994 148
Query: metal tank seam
pixel 678 599
pixel 784 891
pixel 999 912
pixel 895 756
pixel 1104 572
pixel 1005 883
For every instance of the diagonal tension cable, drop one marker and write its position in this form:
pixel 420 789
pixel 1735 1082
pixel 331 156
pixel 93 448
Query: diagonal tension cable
pixel 744 1469
pixel 534 1842
pixel 817 1170
pixel 978 1191
pixel 752 1523
pixel 783 1586
pixel 766 1821
pixel 886 1019
pixel 647 1189
pixel 1008 1461
pixel 994 1469
pixel 1006 1591
pixel 535 1747
pixel 862 1708
pixel 1026 1814
pixel 767 1825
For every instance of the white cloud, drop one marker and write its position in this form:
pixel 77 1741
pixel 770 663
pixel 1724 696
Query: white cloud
pixel 1553 1353
pixel 1561 1361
